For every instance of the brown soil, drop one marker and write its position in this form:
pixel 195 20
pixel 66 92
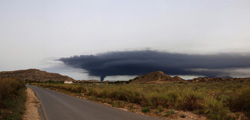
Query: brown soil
pixel 31 105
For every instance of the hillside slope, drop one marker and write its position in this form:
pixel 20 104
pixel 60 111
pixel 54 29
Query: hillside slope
pixel 205 79
pixel 34 75
pixel 156 77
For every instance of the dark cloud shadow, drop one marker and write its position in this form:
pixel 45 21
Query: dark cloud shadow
pixel 140 62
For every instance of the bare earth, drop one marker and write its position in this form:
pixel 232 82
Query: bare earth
pixel 31 105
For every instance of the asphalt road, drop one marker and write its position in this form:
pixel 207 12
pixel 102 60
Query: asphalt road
pixel 59 106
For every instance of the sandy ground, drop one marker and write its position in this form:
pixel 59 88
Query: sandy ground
pixel 31 105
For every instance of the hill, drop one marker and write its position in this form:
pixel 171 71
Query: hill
pixel 35 75
pixel 205 79
pixel 156 77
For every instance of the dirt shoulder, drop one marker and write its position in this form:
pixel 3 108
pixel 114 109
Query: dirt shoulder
pixel 32 104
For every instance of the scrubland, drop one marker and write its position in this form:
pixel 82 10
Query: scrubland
pixel 12 98
pixel 215 100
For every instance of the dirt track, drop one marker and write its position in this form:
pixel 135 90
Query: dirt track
pixel 31 105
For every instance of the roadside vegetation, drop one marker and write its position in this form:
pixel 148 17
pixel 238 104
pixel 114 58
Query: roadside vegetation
pixel 215 100
pixel 12 98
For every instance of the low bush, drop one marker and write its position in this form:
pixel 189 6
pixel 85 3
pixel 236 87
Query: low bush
pixel 170 112
pixel 146 109
pixel 12 98
pixel 183 116
pixel 241 102
pixel 214 109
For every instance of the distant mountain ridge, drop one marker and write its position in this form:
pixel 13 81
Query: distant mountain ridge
pixel 35 75
pixel 205 79
pixel 156 77
pixel 161 77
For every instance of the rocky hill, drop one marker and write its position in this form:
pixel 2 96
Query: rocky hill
pixel 87 81
pixel 35 75
pixel 156 77
pixel 205 79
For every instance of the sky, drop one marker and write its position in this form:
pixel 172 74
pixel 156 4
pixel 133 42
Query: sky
pixel 38 33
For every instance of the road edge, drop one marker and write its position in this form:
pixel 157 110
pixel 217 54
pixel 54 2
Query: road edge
pixel 40 109
pixel 41 113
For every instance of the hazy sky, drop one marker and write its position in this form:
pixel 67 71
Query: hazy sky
pixel 33 33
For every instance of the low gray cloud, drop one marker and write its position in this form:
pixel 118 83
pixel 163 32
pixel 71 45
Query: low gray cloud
pixel 144 61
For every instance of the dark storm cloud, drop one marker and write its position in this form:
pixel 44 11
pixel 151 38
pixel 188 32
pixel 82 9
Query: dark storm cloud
pixel 140 62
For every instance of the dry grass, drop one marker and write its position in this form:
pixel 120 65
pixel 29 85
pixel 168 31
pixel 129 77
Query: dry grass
pixel 12 98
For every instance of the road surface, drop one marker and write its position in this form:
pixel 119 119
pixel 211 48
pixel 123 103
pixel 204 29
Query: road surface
pixel 59 106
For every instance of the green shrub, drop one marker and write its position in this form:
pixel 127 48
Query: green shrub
pixel 146 109
pixel 190 101
pixel 170 112
pixel 214 109
pixel 183 116
pixel 159 109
